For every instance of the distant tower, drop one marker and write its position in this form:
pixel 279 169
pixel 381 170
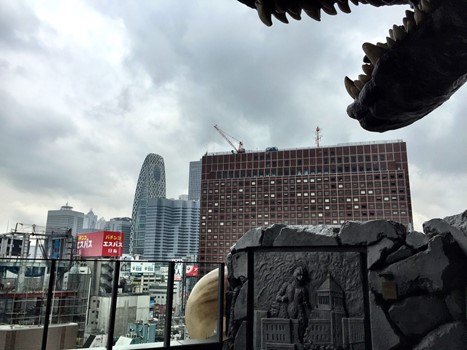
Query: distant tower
pixel 172 228
pixel 194 181
pixel 60 221
pixel 90 220
pixel 318 136
pixel 151 184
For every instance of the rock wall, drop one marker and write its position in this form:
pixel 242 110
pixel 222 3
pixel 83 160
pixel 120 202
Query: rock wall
pixel 417 285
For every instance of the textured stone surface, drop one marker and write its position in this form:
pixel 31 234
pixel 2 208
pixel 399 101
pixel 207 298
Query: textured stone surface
pixel 419 315
pixel 239 263
pixel 307 236
pixel 240 309
pixel 400 254
pixel 439 226
pixel 250 239
pixel 459 221
pixel 366 233
pixel 240 338
pixel 384 336
pixel 273 269
pixel 375 251
pixel 416 239
pixel 422 271
pixel 450 336
pixel 456 302
pixel 270 234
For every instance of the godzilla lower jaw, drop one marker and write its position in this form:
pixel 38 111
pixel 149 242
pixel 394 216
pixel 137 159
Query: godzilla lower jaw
pixel 421 64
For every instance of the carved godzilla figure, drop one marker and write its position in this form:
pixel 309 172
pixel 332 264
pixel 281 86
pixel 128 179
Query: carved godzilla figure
pixel 421 64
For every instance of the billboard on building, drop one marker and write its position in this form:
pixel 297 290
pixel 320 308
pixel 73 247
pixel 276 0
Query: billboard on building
pixel 99 244
pixel 191 271
pixel 139 267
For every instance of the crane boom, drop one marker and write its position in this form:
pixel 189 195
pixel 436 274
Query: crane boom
pixel 227 137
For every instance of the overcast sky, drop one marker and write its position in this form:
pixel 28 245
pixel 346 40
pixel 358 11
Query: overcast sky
pixel 89 88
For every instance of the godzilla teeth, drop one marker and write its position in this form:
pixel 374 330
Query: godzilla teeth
pixel 399 32
pixel 425 6
pixel 373 52
pixel 367 69
pixel 419 16
pixel 352 90
pixel 263 13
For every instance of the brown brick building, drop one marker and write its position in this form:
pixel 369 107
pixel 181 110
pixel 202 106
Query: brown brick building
pixel 326 185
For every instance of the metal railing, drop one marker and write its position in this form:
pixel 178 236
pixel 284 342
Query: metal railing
pixel 38 297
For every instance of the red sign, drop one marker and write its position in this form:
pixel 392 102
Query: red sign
pixel 191 271
pixel 100 244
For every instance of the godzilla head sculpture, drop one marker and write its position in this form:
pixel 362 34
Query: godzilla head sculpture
pixel 421 64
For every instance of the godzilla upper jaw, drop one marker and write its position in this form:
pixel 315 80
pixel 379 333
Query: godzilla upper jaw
pixel 421 64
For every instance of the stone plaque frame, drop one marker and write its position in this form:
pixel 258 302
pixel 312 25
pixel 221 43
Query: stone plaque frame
pixel 252 255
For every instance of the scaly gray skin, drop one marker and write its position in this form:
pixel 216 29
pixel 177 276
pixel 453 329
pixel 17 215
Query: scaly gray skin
pixel 420 66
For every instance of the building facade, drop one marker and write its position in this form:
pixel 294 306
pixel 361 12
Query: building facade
pixel 151 184
pixel 60 221
pixel 172 228
pixel 90 220
pixel 121 225
pixel 194 181
pixel 327 185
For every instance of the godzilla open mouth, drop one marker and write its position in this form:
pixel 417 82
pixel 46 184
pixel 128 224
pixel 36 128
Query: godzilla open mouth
pixel 397 34
pixel 421 64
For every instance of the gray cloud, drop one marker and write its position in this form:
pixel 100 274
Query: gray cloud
pixel 82 102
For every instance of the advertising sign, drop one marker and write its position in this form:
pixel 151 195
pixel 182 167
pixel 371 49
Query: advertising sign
pixel 178 272
pixel 191 271
pixel 100 244
pixel 142 267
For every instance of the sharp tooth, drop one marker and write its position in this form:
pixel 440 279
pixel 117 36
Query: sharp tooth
pixel 409 14
pixel 294 15
pixel 399 32
pixel 391 34
pixel 344 6
pixel 328 7
pixel 350 87
pixel 312 9
pixel 355 2
pixel 426 6
pixel 391 43
pixel 279 7
pixel 281 17
pixel 263 13
pixel 355 91
pixel 373 52
pixel 358 84
pixel 383 45
pixel 366 59
pixel 419 16
pixel 368 69
pixel 364 78
pixel 410 25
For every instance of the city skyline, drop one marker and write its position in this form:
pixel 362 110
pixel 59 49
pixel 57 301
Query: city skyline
pixel 83 105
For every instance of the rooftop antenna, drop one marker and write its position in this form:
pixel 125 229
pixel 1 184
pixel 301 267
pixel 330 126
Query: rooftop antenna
pixel 318 136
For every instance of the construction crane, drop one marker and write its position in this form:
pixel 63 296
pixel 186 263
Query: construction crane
pixel 227 137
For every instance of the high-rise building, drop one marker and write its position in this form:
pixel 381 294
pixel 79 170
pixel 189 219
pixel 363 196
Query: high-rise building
pixel 121 225
pixel 90 220
pixel 60 221
pixel 327 185
pixel 151 184
pixel 194 181
pixel 171 229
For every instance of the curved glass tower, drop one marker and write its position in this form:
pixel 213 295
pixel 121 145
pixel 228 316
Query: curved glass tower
pixel 151 184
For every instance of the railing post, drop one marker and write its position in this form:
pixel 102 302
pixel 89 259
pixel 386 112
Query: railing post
pixel 48 307
pixel 113 305
pixel 220 304
pixel 169 305
pixel 250 303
